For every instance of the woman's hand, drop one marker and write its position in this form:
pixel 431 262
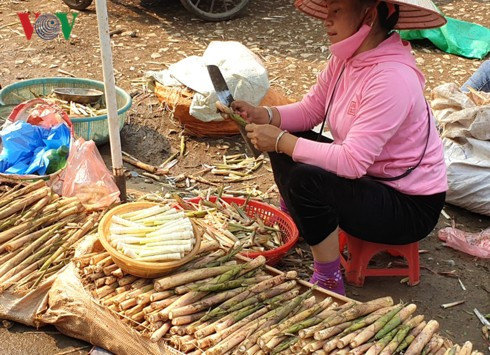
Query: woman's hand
pixel 249 112
pixel 252 114
pixel 263 137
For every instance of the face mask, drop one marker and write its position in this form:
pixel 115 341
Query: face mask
pixel 346 48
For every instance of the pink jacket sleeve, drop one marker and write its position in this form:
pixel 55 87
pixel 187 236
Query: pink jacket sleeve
pixel 384 106
pixel 304 115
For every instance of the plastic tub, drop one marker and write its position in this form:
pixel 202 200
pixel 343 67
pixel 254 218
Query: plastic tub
pixel 90 128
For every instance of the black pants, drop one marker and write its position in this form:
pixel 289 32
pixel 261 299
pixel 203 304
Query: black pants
pixel 319 201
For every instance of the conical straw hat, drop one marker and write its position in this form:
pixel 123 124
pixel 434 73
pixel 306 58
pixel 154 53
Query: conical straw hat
pixel 414 14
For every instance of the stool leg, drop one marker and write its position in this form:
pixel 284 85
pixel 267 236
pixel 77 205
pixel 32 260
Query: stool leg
pixel 413 261
pixel 342 242
pixel 357 263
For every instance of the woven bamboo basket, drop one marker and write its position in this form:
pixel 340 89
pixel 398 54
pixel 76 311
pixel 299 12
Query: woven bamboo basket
pixel 143 269
pixel 90 128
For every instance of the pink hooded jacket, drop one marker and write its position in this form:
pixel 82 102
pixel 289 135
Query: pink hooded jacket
pixel 378 120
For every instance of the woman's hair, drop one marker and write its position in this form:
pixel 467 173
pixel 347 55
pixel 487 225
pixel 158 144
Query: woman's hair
pixel 387 23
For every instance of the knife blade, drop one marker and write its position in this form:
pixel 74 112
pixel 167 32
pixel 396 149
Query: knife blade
pixel 225 97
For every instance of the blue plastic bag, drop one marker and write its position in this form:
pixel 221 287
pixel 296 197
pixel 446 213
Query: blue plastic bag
pixel 25 147
pixel 57 136
pixel 19 167
pixel 38 163
pixel 19 141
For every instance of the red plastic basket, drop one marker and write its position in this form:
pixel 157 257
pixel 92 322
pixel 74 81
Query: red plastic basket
pixel 270 215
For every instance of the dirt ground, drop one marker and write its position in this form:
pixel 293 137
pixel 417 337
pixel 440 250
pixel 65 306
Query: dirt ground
pixel 293 48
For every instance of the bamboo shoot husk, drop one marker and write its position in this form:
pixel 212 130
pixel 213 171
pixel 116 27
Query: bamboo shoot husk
pixel 333 311
pixel 264 295
pixel 5 285
pixel 39 205
pixel 9 197
pixel 25 253
pixel 466 349
pixel 346 339
pixel 126 280
pixel 215 338
pixel 24 227
pixel 360 349
pixel 411 336
pixel 205 303
pixel 365 321
pixel 108 270
pixel 8 256
pixel 314 346
pixel 183 300
pixel 311 319
pixel 401 334
pixel 180 290
pixel 423 338
pixel 231 341
pixel 172 281
pixel 157 335
pixel 187 319
pixel 17 243
pixel 86 227
pixel 398 319
pixel 372 329
pixel 299 304
pixel 158 296
pixel 381 344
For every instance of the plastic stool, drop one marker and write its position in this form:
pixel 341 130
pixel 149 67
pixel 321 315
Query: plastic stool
pixel 361 252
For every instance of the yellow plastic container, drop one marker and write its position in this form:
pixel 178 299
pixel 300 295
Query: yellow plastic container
pixel 144 269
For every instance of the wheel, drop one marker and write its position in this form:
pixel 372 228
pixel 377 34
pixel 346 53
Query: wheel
pixel 78 4
pixel 215 10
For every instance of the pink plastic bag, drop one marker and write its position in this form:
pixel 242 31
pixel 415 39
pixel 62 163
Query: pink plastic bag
pixel 476 244
pixel 39 112
pixel 87 177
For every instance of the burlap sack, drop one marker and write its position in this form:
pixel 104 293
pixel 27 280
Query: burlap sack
pixel 465 123
pixel 25 308
pixel 179 100
pixel 74 312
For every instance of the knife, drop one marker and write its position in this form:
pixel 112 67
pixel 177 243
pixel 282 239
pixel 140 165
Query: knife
pixel 225 97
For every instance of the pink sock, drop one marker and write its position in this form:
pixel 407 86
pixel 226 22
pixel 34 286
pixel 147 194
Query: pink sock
pixel 328 276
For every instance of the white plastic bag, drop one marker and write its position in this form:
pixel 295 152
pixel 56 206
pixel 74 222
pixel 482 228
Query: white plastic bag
pixel 243 71
pixel 466 137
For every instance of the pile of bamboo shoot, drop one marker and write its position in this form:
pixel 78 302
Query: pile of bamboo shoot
pixel 75 109
pixel 215 306
pixel 158 233
pixel 230 225
pixel 38 232
pixel 237 167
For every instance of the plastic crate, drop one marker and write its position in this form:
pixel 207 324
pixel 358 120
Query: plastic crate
pixel 270 215
pixel 90 128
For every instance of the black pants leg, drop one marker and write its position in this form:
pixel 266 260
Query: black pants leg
pixel 319 201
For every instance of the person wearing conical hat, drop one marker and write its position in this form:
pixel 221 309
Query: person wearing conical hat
pixel 382 178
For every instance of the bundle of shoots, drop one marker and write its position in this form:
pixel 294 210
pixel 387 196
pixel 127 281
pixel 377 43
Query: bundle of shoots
pixel 158 233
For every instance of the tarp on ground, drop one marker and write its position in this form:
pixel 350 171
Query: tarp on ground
pixel 456 37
